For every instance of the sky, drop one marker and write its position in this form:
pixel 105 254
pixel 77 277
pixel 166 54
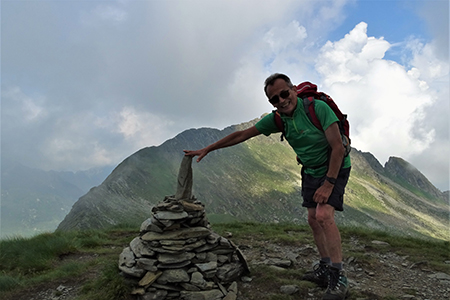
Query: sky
pixel 86 84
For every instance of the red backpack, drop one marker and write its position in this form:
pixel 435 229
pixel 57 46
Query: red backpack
pixel 308 92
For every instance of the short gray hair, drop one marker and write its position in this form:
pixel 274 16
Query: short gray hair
pixel 271 80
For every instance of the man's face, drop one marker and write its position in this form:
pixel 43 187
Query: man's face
pixel 286 97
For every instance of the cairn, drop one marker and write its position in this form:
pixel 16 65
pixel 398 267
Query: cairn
pixel 178 256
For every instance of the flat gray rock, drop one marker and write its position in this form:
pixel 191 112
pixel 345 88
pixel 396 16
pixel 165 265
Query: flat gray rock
pixel 169 215
pixel 182 233
pixel 204 295
pixel 173 259
pixel 172 276
pixel 127 258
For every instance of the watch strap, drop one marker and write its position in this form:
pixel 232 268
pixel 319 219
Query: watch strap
pixel 330 180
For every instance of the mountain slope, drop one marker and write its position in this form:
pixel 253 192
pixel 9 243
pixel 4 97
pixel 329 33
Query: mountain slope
pixel 34 200
pixel 258 180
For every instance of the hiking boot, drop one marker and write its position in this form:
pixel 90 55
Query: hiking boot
pixel 337 285
pixel 319 274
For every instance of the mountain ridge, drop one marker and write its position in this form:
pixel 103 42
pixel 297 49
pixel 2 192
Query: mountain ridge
pixel 259 181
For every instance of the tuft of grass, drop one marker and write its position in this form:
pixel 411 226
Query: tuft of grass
pixel 282 233
pixel 69 269
pixel 46 257
pixel 91 238
pixel 8 283
pixel 109 285
pixel 33 255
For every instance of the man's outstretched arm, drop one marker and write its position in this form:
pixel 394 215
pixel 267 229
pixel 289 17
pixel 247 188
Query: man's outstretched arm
pixel 230 140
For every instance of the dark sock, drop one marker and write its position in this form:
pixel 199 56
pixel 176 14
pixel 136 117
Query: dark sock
pixel 337 265
pixel 326 260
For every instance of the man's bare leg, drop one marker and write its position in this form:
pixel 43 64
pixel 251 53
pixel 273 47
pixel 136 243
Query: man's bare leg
pixel 318 233
pixel 325 218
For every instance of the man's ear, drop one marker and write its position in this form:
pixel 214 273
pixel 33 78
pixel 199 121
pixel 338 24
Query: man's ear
pixel 294 89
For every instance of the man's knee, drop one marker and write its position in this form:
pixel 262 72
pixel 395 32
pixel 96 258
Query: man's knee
pixel 324 215
pixel 312 220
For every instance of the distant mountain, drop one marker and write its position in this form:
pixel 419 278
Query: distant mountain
pixel 34 201
pixel 406 174
pixel 259 180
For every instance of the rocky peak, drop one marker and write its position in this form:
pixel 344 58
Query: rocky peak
pixel 401 170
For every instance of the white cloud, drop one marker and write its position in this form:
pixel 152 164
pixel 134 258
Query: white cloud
pixel 88 139
pixel 379 95
pixel 114 13
pixel 388 105
pixel 19 106
pixel 436 15
pixel 425 60
pixel 99 80
pixel 76 153
pixel 282 38
pixel 142 128
pixel 349 59
pixel 433 72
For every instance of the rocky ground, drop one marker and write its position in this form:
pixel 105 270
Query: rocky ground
pixel 386 276
pixel 378 275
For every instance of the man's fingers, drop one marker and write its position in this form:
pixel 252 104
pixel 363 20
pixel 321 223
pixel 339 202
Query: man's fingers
pixel 200 157
pixel 189 153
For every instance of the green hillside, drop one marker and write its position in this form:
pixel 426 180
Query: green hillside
pixel 259 180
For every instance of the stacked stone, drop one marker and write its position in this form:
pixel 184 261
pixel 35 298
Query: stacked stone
pixel 178 256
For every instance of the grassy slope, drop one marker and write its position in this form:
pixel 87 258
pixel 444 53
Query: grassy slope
pixel 258 180
pixel 88 259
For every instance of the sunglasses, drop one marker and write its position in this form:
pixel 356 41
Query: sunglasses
pixel 276 99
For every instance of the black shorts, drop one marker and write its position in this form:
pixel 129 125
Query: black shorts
pixel 311 184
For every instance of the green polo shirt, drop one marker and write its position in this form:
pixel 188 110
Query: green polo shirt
pixel 308 142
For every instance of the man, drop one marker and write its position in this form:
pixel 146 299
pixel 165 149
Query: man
pixel 325 173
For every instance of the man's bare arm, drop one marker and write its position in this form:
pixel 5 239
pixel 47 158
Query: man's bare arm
pixel 334 139
pixel 230 140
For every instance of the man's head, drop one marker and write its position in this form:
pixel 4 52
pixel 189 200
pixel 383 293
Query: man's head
pixel 272 78
pixel 281 92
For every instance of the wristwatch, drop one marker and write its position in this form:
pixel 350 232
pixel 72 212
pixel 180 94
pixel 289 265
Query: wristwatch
pixel 330 180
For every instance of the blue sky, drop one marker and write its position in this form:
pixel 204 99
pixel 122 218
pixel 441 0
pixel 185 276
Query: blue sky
pixel 88 83
pixel 395 21
pixel 391 19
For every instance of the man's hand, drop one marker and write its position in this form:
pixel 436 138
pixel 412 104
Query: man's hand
pixel 323 193
pixel 200 153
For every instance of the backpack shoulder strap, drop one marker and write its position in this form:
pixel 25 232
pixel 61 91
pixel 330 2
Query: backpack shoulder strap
pixel 309 105
pixel 279 123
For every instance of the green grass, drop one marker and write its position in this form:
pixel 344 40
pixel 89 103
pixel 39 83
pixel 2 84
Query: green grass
pixel 55 257
pixel 8 283
pixel 26 262
pixel 108 285
pixel 221 218
pixel 36 253
pixel 283 233
pixel 365 200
